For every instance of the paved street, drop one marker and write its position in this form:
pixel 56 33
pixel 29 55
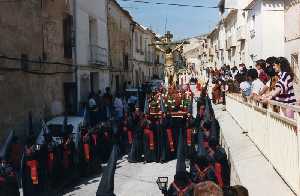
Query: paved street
pixel 131 179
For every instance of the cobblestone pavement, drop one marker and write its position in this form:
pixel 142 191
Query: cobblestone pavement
pixel 131 179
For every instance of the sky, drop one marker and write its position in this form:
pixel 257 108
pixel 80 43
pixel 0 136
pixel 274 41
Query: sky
pixel 183 22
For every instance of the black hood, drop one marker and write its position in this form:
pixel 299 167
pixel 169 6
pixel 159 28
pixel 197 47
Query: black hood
pixel 106 186
pixel 209 111
pixel 201 151
pixel 180 166
pixel 215 129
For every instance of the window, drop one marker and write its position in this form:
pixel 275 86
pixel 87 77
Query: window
pixel 67 31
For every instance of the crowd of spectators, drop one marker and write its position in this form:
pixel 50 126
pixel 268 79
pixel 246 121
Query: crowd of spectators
pixel 271 79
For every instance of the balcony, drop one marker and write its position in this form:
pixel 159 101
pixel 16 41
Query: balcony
pixel 98 55
pixel 241 33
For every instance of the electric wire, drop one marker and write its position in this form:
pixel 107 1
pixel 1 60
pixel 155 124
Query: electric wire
pixel 14 69
pixel 179 4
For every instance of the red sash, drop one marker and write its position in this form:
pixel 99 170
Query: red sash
pixel 66 154
pixel 189 137
pixel 2 180
pixel 95 138
pixel 170 139
pixel 86 150
pixel 50 161
pixel 130 137
pixel 205 144
pixel 106 135
pixel 202 175
pixel 150 136
pixel 181 192
pixel 33 164
pixel 218 170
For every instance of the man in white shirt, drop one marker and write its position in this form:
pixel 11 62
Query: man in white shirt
pixel 257 86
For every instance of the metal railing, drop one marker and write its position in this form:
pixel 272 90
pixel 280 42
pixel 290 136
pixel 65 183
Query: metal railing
pixel 98 55
pixel 276 135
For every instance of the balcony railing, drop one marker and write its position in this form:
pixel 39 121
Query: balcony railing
pixel 98 55
pixel 276 135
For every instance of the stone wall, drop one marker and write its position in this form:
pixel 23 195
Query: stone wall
pixel 120 44
pixel 32 28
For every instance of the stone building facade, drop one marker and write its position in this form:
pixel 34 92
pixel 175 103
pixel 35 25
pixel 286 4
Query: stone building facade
pixel 33 34
pixel 120 30
pixel 147 59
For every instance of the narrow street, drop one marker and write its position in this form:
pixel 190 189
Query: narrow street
pixel 131 179
pixel 172 97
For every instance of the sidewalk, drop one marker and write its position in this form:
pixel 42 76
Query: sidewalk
pixel 249 166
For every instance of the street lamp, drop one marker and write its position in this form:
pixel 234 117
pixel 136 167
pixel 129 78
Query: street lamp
pixel 162 183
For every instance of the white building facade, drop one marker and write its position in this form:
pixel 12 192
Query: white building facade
pixel 265 27
pixel 91 46
pixel 253 31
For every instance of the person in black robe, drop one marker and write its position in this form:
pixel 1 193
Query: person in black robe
pixel 149 141
pixel 165 148
pixel 31 169
pixel 95 147
pixel 219 159
pixel 136 151
pixel 200 168
pixel 200 114
pixel 8 177
pixel 189 135
pixel 126 133
pixel 105 141
pixel 106 185
pixel 181 185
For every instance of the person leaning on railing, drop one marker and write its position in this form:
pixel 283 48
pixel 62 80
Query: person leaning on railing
pixel 284 89
pixel 257 86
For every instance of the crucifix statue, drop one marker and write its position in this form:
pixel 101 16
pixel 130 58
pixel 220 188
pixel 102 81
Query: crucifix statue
pixel 170 49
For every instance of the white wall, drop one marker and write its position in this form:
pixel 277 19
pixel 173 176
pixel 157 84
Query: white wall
pixel 269 31
pixel 86 9
pixel 273 30
pixel 255 44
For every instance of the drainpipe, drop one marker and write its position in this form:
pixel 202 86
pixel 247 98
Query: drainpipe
pixel 75 51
